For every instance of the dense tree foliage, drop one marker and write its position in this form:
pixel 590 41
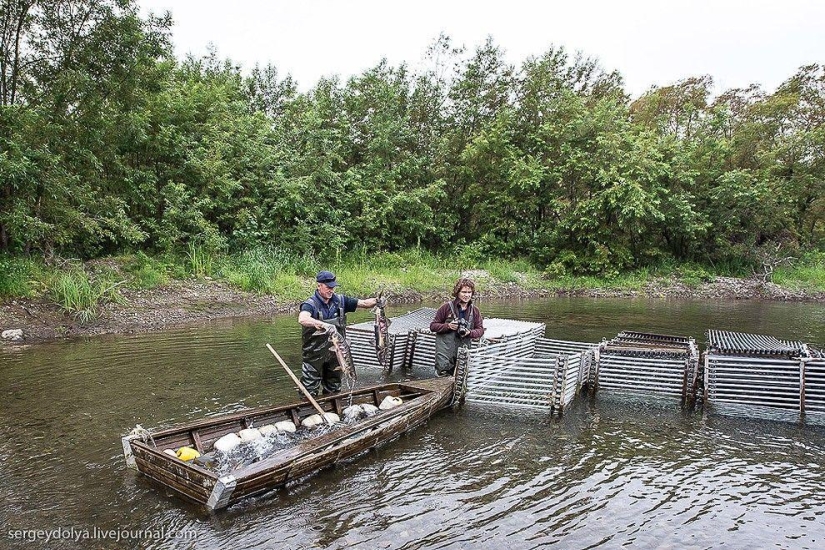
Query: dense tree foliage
pixel 108 144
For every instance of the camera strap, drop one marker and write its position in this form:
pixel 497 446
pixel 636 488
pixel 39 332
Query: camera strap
pixel 459 314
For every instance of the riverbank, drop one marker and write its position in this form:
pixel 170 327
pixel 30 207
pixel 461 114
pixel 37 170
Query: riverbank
pixel 199 301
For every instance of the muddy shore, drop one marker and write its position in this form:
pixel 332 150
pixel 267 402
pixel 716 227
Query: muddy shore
pixel 192 302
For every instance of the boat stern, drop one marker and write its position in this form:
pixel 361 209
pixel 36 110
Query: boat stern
pixel 221 492
pixel 127 451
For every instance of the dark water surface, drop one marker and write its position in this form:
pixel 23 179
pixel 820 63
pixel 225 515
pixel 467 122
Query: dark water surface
pixel 610 473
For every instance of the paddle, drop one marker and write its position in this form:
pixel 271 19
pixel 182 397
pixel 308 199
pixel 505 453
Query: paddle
pixel 300 386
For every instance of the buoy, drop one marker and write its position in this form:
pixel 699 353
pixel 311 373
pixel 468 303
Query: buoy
pixel 332 418
pixel 249 435
pixel 171 452
pixel 390 402
pixel 187 453
pixel 369 409
pixel 311 421
pixel 268 429
pixel 227 443
pixel 285 426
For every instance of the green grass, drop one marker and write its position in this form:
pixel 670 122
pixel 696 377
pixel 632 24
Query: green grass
pixel 80 295
pixel 81 290
pixel 807 273
pixel 200 261
pixel 146 272
pixel 266 270
pixel 19 276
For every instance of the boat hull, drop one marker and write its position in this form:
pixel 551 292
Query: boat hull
pixel 421 399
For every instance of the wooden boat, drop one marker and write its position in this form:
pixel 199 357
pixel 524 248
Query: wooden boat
pixel 145 451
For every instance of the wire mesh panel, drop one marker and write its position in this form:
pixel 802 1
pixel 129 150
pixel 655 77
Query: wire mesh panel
pixel 361 337
pixel 642 374
pixel 631 338
pixel 508 374
pixel 637 362
pixel 815 386
pixel 547 346
pixel 761 376
pixel 571 377
pixel 412 345
pixel 523 372
pixel 769 382
pixel 815 391
pixel 724 342
pixel 422 352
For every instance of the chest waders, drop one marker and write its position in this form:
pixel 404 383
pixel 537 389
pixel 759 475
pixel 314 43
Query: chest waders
pixel 318 362
pixel 446 345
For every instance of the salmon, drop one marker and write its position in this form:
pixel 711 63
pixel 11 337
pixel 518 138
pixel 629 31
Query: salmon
pixel 340 346
pixel 382 335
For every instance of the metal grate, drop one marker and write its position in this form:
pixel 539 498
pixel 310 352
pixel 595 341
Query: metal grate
pixel 412 345
pixel 638 362
pixel 761 376
pixel 524 372
pixel 651 339
pixel 361 337
pixel 740 343
pixel 648 344
pixel 814 377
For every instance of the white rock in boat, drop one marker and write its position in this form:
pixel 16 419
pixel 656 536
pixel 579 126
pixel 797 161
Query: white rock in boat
pixel 285 426
pixel 171 452
pixel 227 443
pixel 353 412
pixel 14 334
pixel 311 421
pixel 332 418
pixel 390 402
pixel 269 429
pixel 369 409
pixel 249 435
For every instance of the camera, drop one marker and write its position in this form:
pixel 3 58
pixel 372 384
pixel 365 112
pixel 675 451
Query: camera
pixel 463 327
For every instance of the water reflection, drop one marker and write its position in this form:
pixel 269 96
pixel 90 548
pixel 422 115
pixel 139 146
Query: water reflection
pixel 611 472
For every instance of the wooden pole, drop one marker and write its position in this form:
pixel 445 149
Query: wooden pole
pixel 300 386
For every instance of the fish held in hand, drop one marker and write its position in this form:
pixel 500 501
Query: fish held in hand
pixel 340 347
pixel 382 334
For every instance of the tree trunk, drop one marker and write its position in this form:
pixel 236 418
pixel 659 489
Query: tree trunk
pixel 4 235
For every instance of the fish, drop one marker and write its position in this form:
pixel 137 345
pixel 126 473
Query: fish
pixel 340 346
pixel 382 334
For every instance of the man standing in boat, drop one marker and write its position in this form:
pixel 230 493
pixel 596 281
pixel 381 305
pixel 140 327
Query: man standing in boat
pixel 456 323
pixel 320 313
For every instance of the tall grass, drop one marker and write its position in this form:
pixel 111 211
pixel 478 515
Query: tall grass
pixel 366 274
pixel 269 270
pixel 291 277
pixel 146 272
pixel 76 293
pixel 807 273
pixel 18 276
pixel 200 260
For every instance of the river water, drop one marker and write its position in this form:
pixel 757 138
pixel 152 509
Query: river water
pixel 610 473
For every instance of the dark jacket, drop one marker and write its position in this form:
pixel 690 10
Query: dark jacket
pixel 446 313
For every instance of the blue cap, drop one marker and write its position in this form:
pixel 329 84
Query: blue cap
pixel 327 278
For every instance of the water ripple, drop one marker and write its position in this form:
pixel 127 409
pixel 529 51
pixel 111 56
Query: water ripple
pixel 613 472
